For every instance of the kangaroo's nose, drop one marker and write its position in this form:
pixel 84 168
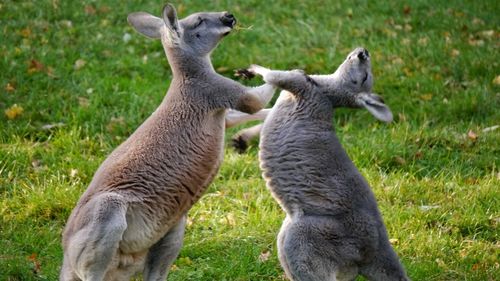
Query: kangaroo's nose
pixel 363 54
pixel 228 19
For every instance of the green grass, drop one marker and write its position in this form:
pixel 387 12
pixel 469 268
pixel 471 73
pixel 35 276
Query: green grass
pixel 435 63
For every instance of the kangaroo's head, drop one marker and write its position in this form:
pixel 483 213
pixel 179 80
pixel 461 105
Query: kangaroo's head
pixel 352 84
pixel 354 74
pixel 195 36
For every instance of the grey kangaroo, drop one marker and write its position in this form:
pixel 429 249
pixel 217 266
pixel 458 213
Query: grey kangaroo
pixel 333 229
pixel 132 216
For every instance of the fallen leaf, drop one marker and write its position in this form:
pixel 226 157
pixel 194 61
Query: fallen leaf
pixel 35 66
pixel 127 37
pixel 50 72
pixel 83 102
pixel 495 222
pixel 264 256
pixel 455 53
pixel 400 160
pixel 394 241
pixel 67 23
pixel 487 33
pixel 26 32
pixel 349 13
pixel 90 10
pixel 36 163
pixel 36 264
pixel 475 266
pixel 174 267
pixel 402 117
pixel 471 181
pixel 419 155
pixel 14 111
pixel 489 129
pixel 440 263
pixel 406 10
pixel 447 37
pixel 496 81
pixel 51 126
pixel 114 123
pixel 428 207
pixel 73 173
pixel 104 9
pixel 477 21
pixel 222 69
pixel 390 33
pixel 10 87
pixel 104 22
pixel 107 53
pixel 426 97
pixel 397 60
pixel 184 261
pixel 79 63
pixel 423 41
pixel 408 72
pixel 463 253
pixel 472 136
pixel 475 42
pixel 228 219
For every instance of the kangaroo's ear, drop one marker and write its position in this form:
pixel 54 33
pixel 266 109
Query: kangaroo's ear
pixel 172 23
pixel 375 105
pixel 146 24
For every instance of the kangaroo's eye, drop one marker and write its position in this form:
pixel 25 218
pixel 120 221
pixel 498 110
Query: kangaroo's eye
pixel 200 21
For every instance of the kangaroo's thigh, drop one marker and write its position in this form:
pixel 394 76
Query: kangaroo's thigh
pixel 281 247
pixel 92 248
pixel 302 248
pixel 163 254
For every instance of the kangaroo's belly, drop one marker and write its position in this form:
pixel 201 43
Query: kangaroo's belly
pixel 173 186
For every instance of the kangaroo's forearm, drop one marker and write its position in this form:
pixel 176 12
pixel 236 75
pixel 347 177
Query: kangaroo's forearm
pixel 255 99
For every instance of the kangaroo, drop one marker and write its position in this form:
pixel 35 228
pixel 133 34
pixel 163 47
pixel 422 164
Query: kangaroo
pixel 333 229
pixel 132 216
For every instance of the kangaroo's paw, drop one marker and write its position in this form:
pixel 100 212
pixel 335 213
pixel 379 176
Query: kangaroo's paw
pixel 239 143
pixel 244 73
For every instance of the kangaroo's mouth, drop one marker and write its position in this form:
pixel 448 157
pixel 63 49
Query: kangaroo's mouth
pixel 228 20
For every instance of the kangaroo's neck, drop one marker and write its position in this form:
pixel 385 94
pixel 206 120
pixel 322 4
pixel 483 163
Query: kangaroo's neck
pixel 314 107
pixel 188 66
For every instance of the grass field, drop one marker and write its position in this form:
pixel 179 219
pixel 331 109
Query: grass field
pixel 76 80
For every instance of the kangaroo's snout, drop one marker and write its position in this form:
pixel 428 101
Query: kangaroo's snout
pixel 228 19
pixel 363 54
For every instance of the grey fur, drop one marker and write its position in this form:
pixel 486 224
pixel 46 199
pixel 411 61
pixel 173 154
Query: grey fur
pixel 333 229
pixel 371 102
pixel 131 218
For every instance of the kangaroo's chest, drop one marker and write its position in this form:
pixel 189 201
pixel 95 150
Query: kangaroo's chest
pixel 176 176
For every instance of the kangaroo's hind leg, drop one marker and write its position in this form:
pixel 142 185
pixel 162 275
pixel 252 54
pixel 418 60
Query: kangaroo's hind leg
pixel 281 247
pixel 163 254
pixel 92 249
pixel 385 266
pixel 302 251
